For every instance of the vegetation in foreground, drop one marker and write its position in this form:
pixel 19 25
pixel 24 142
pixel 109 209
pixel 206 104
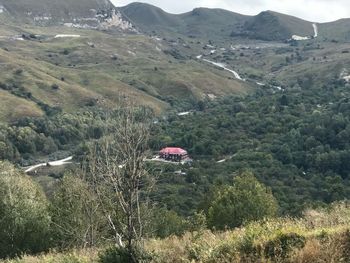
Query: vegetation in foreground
pixel 320 236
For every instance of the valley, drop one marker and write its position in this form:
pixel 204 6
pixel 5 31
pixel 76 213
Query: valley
pixel 90 93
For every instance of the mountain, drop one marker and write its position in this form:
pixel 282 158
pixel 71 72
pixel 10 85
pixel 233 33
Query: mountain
pixel 73 13
pixel 337 31
pixel 201 22
pixel 271 26
pixel 55 9
pixel 146 16
pixel 208 23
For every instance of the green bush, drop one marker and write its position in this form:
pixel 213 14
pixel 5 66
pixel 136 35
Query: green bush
pixel 247 200
pixel 24 217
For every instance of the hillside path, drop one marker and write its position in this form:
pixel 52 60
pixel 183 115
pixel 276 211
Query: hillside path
pixel 54 163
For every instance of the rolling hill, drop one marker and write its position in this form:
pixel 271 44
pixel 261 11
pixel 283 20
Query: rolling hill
pixel 201 22
pixel 272 26
pixel 90 67
pixel 145 16
pixel 338 30
pixel 217 23
pixel 55 66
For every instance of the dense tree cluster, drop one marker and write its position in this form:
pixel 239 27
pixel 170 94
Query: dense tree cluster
pixel 30 138
pixel 247 200
pixel 296 141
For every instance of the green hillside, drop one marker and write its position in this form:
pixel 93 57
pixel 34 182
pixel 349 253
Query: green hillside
pixel 256 107
pixel 336 31
pixel 201 22
pixel 98 68
pixel 275 26
pixel 144 16
pixel 210 23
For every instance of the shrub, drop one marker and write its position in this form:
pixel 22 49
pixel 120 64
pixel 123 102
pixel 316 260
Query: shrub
pixel 73 223
pixel 121 255
pixel 24 217
pixel 18 71
pixel 247 200
pixel 114 255
pixel 166 223
pixel 55 87
pixel 283 244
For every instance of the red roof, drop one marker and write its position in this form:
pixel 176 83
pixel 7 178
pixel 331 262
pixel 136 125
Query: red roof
pixel 173 150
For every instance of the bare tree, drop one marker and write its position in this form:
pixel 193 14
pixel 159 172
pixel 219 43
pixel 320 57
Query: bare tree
pixel 117 164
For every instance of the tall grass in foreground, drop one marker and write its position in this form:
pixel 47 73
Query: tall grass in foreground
pixel 76 256
pixel 320 236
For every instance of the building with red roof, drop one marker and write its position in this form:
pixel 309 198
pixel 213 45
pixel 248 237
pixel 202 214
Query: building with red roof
pixel 173 154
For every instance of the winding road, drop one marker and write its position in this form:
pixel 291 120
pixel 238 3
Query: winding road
pixel 223 66
pixel 54 163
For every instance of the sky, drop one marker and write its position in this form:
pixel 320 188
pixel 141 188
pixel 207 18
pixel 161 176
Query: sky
pixel 312 10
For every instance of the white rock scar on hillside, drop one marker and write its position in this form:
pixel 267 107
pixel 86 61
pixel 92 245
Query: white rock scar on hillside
pixel 314 25
pixel 66 36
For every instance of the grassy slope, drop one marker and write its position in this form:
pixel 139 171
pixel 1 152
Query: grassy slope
pixel 145 15
pixel 201 22
pixel 217 24
pixel 338 30
pixel 275 26
pixel 141 69
pixel 209 23
pixel 321 236
pixel 12 107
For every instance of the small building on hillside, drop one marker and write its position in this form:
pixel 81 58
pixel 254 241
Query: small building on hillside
pixel 173 154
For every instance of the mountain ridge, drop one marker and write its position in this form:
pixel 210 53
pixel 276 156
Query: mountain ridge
pixel 230 11
pixel 219 23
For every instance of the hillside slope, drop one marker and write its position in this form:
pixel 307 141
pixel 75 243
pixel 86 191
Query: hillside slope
pixel 55 9
pixel 275 26
pixel 145 16
pixel 338 30
pixel 208 23
pixel 88 14
pixel 201 22
pixel 84 68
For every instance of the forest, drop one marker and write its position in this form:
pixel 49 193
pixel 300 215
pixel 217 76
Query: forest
pixel 273 153
pixel 295 141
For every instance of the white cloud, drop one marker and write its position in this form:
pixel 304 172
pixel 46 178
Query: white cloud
pixel 313 10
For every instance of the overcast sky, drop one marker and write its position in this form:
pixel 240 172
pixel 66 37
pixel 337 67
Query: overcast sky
pixel 313 10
